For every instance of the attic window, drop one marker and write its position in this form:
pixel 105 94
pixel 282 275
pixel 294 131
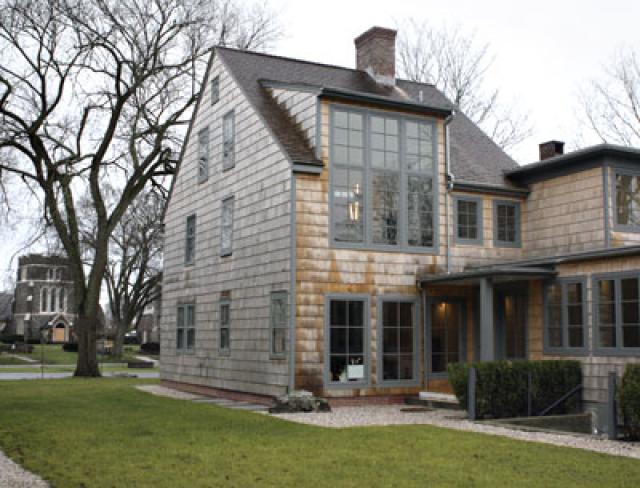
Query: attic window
pixel 215 90
pixel 228 141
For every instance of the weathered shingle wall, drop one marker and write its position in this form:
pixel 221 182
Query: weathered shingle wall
pixel 302 107
pixel 259 264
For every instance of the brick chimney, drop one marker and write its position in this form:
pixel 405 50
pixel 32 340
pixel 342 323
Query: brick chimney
pixel 376 54
pixel 551 149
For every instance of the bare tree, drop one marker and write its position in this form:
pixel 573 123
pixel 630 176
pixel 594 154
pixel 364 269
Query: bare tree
pixel 100 91
pixel 457 64
pixel 610 104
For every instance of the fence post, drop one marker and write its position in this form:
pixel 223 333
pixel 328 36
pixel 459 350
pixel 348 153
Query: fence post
pixel 471 394
pixel 529 381
pixel 612 407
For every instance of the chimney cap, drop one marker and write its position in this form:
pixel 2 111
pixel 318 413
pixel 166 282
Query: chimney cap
pixel 375 31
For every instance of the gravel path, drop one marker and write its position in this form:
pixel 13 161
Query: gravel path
pixel 12 475
pixel 168 392
pixel 454 419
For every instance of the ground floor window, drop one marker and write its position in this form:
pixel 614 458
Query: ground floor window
pixel 279 323
pixel 565 315
pixel 617 312
pixel 224 342
pixel 186 327
pixel 397 325
pixel 446 334
pixel 346 330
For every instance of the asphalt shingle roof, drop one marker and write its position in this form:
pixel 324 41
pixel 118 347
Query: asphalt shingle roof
pixel 475 158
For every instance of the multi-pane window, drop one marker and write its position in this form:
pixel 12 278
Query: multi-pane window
pixel 61 299
pixel 279 323
pixel 398 334
pixel 228 140
pixel 52 299
pixel 224 343
pixel 190 240
pixel 468 220
pixel 565 314
pixel 226 227
pixel 346 330
pixel 203 154
pixel 186 327
pixel 44 300
pixel 627 199
pixel 506 223
pixel 215 90
pixel 618 312
pixel 382 179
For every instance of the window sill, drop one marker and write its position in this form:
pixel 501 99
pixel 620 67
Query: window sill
pixel 617 352
pixel 226 254
pixel 383 248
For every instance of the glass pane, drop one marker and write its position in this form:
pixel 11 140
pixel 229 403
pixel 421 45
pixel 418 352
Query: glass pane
pixel 406 340
pixel 390 314
pixel 356 341
pixel 356 314
pixel 438 364
pixel 554 294
pixel 419 209
pixel 575 337
pixel 631 336
pixel 624 198
pixel 555 316
pixel 179 338
pixel 406 367
pixel 338 340
pixel 606 290
pixel 338 312
pixel 406 314
pixel 390 340
pixel 224 338
pixel 555 337
pixel 574 292
pixel 338 368
pixel 279 340
pixel 630 313
pixel 341 119
pixel 607 336
pixel 629 289
pixel 386 211
pixel 607 313
pixel 191 338
pixel 575 314
pixel 390 367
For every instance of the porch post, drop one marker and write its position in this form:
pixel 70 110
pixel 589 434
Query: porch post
pixel 487 326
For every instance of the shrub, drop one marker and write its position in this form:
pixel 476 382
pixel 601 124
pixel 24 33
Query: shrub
pixel 70 347
pixel 11 338
pixel 629 397
pixel 150 348
pixel 501 388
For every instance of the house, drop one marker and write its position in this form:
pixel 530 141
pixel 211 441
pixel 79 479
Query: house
pixel 44 298
pixel 348 232
pixel 6 312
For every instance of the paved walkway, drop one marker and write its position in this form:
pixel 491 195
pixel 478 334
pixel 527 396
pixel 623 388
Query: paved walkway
pixel 53 376
pixel 220 402
pixel 12 475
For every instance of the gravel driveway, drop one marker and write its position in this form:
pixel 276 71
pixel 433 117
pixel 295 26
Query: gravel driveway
pixel 12 475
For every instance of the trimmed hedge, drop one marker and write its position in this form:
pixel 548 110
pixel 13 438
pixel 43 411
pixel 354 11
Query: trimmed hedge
pixel 501 388
pixel 150 348
pixel 629 397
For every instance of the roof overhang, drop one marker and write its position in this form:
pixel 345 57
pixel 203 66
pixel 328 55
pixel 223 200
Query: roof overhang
pixel 496 274
pixel 504 191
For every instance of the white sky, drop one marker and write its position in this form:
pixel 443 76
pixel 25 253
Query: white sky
pixel 544 51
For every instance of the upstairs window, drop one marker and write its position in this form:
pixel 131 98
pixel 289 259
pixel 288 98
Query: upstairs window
pixel 382 180
pixel 215 90
pixel 506 215
pixel 228 141
pixel 203 154
pixel 468 215
pixel 627 200
pixel 190 240
pixel 226 227
pixel 186 328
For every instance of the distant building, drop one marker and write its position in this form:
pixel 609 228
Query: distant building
pixel 44 298
pixel 6 312
pixel 148 329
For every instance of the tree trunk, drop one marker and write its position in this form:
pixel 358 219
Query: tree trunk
pixel 87 364
pixel 118 340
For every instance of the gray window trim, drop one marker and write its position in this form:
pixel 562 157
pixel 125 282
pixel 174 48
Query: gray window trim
pixel 565 350
pixel 366 382
pixel 618 350
pixel 279 294
pixel 227 350
pixel 416 340
pixel 427 336
pixel 203 139
pixel 230 161
pixel 496 241
pixel 190 260
pixel 614 204
pixel 478 201
pixel 366 169
pixel 185 349
pixel 227 203
pixel 215 90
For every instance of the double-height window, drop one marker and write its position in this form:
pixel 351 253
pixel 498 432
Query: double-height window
pixel 506 223
pixel 397 340
pixel 565 316
pixel 203 154
pixel 617 313
pixel 627 198
pixel 383 180
pixel 186 327
pixel 468 217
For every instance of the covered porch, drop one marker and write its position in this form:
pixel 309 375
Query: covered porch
pixel 480 315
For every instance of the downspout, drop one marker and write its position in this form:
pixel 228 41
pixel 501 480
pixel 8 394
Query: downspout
pixel 449 185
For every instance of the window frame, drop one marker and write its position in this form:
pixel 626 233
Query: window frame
pixel 619 349
pixel 224 351
pixel 479 223
pixel 518 230
pixel 280 294
pixel 229 161
pixel 415 301
pixel 226 203
pixel 565 350
pixel 616 226
pixel 190 259
pixel 404 172
pixel 366 381
pixel 215 90
pixel 44 300
pixel 182 308
pixel 203 140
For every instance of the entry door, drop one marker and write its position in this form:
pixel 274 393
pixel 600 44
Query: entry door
pixel 511 324
pixel 446 335
pixel 58 333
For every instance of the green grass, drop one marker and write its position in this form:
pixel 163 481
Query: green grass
pixel 104 433
pixel 6 360
pixel 54 354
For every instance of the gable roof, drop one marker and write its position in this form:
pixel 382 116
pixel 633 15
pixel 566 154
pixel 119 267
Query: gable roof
pixel 475 158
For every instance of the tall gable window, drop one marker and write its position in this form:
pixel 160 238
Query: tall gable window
pixel 565 316
pixel 506 223
pixel 215 90
pixel 226 227
pixel 627 200
pixel 186 327
pixel 44 300
pixel 228 141
pixel 190 240
pixel 617 313
pixel 203 154
pixel 382 180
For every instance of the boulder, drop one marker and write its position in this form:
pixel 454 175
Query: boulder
pixel 299 401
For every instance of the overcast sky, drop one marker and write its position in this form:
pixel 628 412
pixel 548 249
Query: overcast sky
pixel 545 50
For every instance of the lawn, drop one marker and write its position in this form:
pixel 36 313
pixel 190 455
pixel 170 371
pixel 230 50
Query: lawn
pixel 104 433
pixel 6 360
pixel 54 354
pixel 62 368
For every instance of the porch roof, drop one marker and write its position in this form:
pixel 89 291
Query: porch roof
pixel 497 273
